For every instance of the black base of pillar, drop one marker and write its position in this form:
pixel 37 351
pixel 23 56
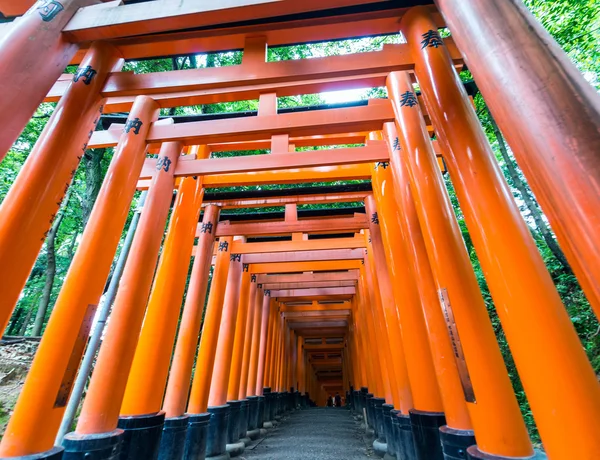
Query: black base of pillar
pixel 172 442
pixel 388 428
pixel 473 453
pixel 455 442
pixel 426 434
pixel 217 431
pixel 234 447
pixel 56 453
pixel 405 447
pixel 196 437
pixel 260 413
pixel 371 418
pixel 103 446
pixel 141 436
pixel 252 412
pixel 378 410
pixel 243 425
pixel 269 403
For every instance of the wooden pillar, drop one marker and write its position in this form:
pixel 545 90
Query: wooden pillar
pixel 496 417
pixel 100 412
pixel 451 390
pixel 38 413
pixel 244 344
pixel 178 386
pixel 549 114
pixel 34 53
pixel 224 349
pixel 150 368
pixel 198 402
pixel 260 371
pixel 31 204
pixel 519 282
pixel 257 340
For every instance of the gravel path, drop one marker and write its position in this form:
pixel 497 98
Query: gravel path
pixel 312 434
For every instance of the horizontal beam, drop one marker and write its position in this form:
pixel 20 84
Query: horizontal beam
pixel 298 267
pixel 374 152
pixel 322 332
pixel 305 285
pixel 342 120
pixel 169 16
pixel 304 256
pixel 324 347
pixel 307 29
pixel 309 277
pixel 343 224
pixel 291 246
pixel 342 197
pixel 313 292
pixel 316 324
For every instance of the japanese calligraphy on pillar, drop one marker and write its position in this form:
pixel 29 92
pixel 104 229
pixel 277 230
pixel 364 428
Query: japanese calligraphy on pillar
pixel 408 98
pixel 235 257
pixel 431 39
pixel 134 124
pixel 86 74
pixel 207 227
pixel 223 246
pixel 163 163
pixel 461 363
pixel 49 9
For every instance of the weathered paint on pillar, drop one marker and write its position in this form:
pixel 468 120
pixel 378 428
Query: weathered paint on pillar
pixel 451 390
pixel 198 402
pixel 549 114
pixel 100 412
pixel 496 417
pixel 34 55
pixel 521 287
pixel 38 413
pixel 150 367
pixel 224 350
pixel 27 211
pixel 251 389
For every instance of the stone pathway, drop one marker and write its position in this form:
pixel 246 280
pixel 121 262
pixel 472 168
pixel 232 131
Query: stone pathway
pixel 312 434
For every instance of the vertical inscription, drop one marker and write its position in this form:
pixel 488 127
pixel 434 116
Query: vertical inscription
pixel 461 363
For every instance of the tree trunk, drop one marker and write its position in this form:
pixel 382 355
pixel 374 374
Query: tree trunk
pixel 93 180
pixel 530 202
pixel 27 318
pixel 50 267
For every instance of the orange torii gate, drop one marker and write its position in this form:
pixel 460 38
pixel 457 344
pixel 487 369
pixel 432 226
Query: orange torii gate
pixel 434 372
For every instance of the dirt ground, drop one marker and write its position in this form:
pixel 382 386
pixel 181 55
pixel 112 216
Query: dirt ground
pixel 15 358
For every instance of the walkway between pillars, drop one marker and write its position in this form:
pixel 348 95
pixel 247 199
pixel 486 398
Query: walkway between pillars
pixel 312 434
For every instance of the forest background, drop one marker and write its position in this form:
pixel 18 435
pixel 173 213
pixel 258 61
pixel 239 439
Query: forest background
pixel 575 24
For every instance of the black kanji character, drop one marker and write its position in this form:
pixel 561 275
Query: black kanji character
pixel 235 257
pixel 246 267
pixel 375 218
pixel 206 227
pixel 253 278
pixel 49 9
pixel 163 163
pixel 396 144
pixel 383 164
pixel 223 246
pixel 259 286
pixel 267 292
pixel 87 73
pixel 431 39
pixel 408 98
pixel 134 124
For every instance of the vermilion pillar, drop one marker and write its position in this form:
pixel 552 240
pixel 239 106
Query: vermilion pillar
pixel 372 357
pixel 251 388
pixel 150 367
pixel 178 387
pixel 451 390
pixel 101 406
pixel 519 282
pixel 27 212
pixel 243 338
pixel 263 341
pixel 549 114
pixel 380 293
pixel 494 411
pixel 224 349
pixel 40 407
pixel 198 402
pixel 34 54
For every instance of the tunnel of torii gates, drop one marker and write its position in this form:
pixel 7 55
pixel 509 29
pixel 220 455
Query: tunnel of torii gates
pixel 380 304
